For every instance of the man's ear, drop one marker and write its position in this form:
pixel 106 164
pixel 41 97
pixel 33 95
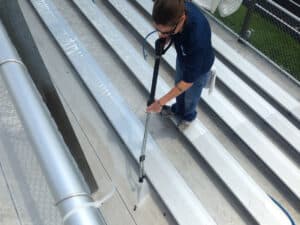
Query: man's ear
pixel 183 17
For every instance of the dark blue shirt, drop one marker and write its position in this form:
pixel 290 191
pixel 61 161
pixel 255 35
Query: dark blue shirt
pixel 193 45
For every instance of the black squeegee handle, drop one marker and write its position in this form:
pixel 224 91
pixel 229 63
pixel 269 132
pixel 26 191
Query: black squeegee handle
pixel 159 51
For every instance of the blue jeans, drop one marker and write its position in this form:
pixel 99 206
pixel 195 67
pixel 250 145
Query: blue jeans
pixel 186 103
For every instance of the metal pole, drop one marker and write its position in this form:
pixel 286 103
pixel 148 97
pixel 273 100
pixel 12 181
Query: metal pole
pixel 295 17
pixel 67 186
pixel 245 26
pixel 159 47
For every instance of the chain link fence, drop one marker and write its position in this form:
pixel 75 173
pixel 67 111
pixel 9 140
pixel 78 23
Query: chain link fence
pixel 272 27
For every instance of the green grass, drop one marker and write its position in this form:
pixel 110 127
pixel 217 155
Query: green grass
pixel 269 39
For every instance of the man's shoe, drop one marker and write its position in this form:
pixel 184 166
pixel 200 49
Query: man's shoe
pixel 166 111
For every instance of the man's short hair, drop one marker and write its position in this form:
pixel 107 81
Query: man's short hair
pixel 167 12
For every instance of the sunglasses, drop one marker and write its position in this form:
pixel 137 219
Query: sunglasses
pixel 171 32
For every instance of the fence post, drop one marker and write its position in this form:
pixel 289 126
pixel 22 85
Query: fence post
pixel 247 19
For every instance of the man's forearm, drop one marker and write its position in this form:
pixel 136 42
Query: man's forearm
pixel 174 92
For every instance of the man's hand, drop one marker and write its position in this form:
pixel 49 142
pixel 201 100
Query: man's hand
pixel 168 39
pixel 155 107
